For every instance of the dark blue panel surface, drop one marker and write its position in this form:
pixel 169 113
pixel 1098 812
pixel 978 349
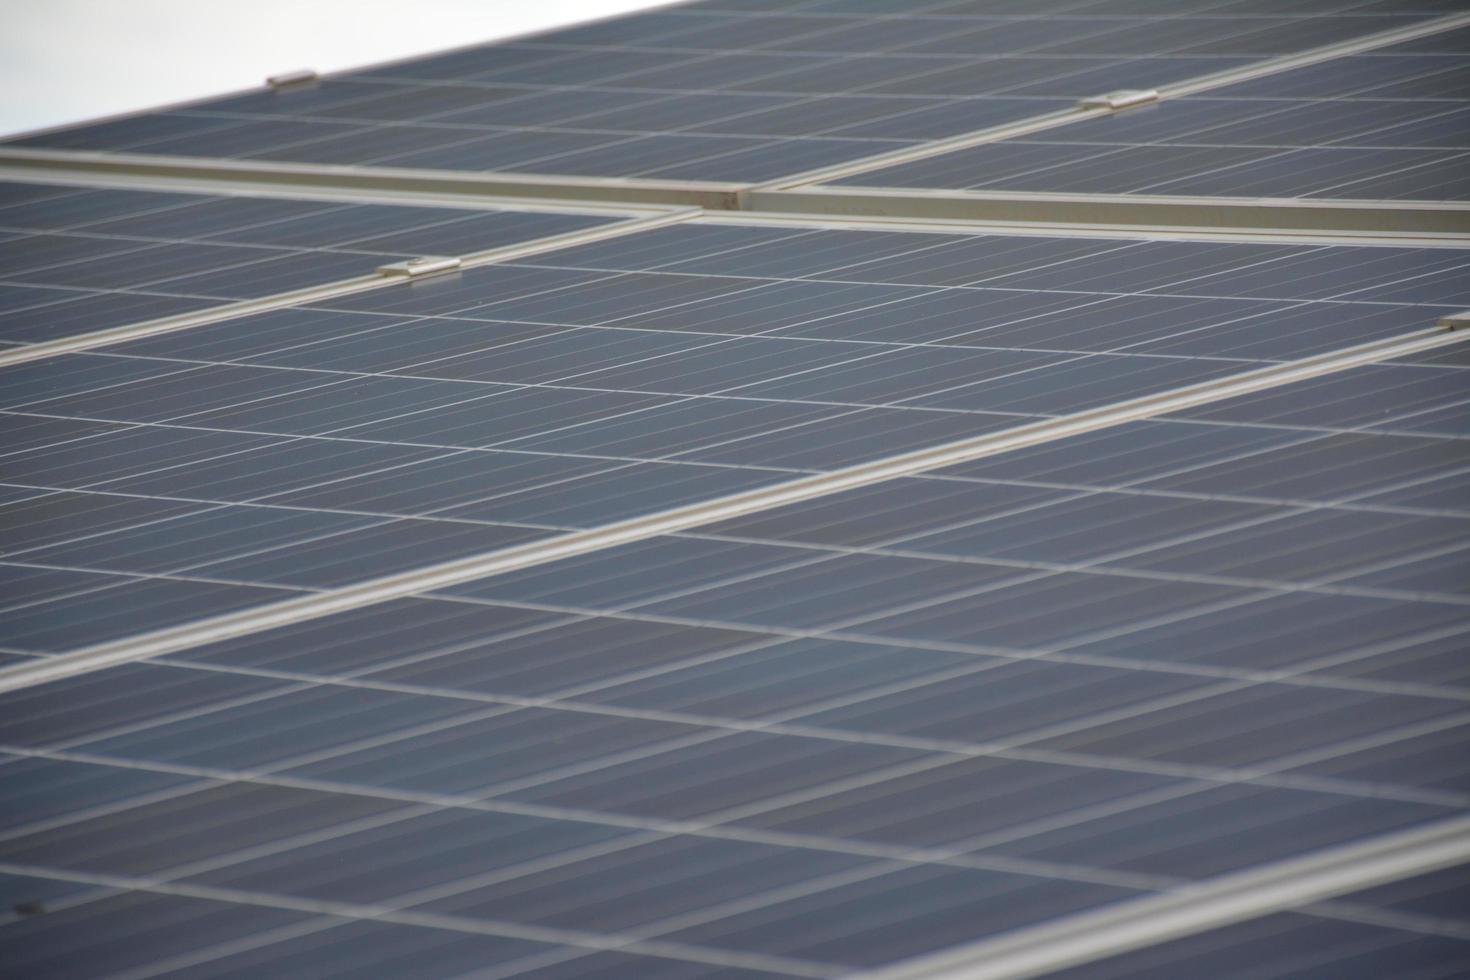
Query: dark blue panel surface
pixel 79 260
pixel 734 93
pixel 449 418
pixel 1378 125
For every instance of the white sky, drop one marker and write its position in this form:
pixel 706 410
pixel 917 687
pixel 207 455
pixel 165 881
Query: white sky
pixel 65 61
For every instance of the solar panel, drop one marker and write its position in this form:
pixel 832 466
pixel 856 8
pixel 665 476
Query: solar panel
pixel 678 595
pixel 725 92
pixel 842 683
pixel 1388 124
pixel 79 260
pixel 424 422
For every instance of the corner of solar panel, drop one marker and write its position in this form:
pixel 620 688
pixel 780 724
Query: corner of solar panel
pixel 1019 529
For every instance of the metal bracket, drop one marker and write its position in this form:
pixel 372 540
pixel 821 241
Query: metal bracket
pixel 1121 99
pixel 1455 321
pixel 293 79
pixel 418 268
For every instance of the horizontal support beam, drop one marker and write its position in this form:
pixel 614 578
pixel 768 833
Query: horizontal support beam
pixel 1111 232
pixel 1122 210
pixel 267 174
pixel 53 171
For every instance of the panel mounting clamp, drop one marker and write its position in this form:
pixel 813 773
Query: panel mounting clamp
pixel 293 79
pixel 1122 99
pixel 417 268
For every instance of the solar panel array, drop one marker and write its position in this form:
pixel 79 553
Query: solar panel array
pixel 627 390
pixel 741 92
pixel 1150 646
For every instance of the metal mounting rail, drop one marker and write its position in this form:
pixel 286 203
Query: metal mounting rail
pixel 1194 908
pixel 812 207
pixel 1122 210
pixel 443 575
pixel 845 221
pixel 56 170
pixel 265 174
pixel 382 276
